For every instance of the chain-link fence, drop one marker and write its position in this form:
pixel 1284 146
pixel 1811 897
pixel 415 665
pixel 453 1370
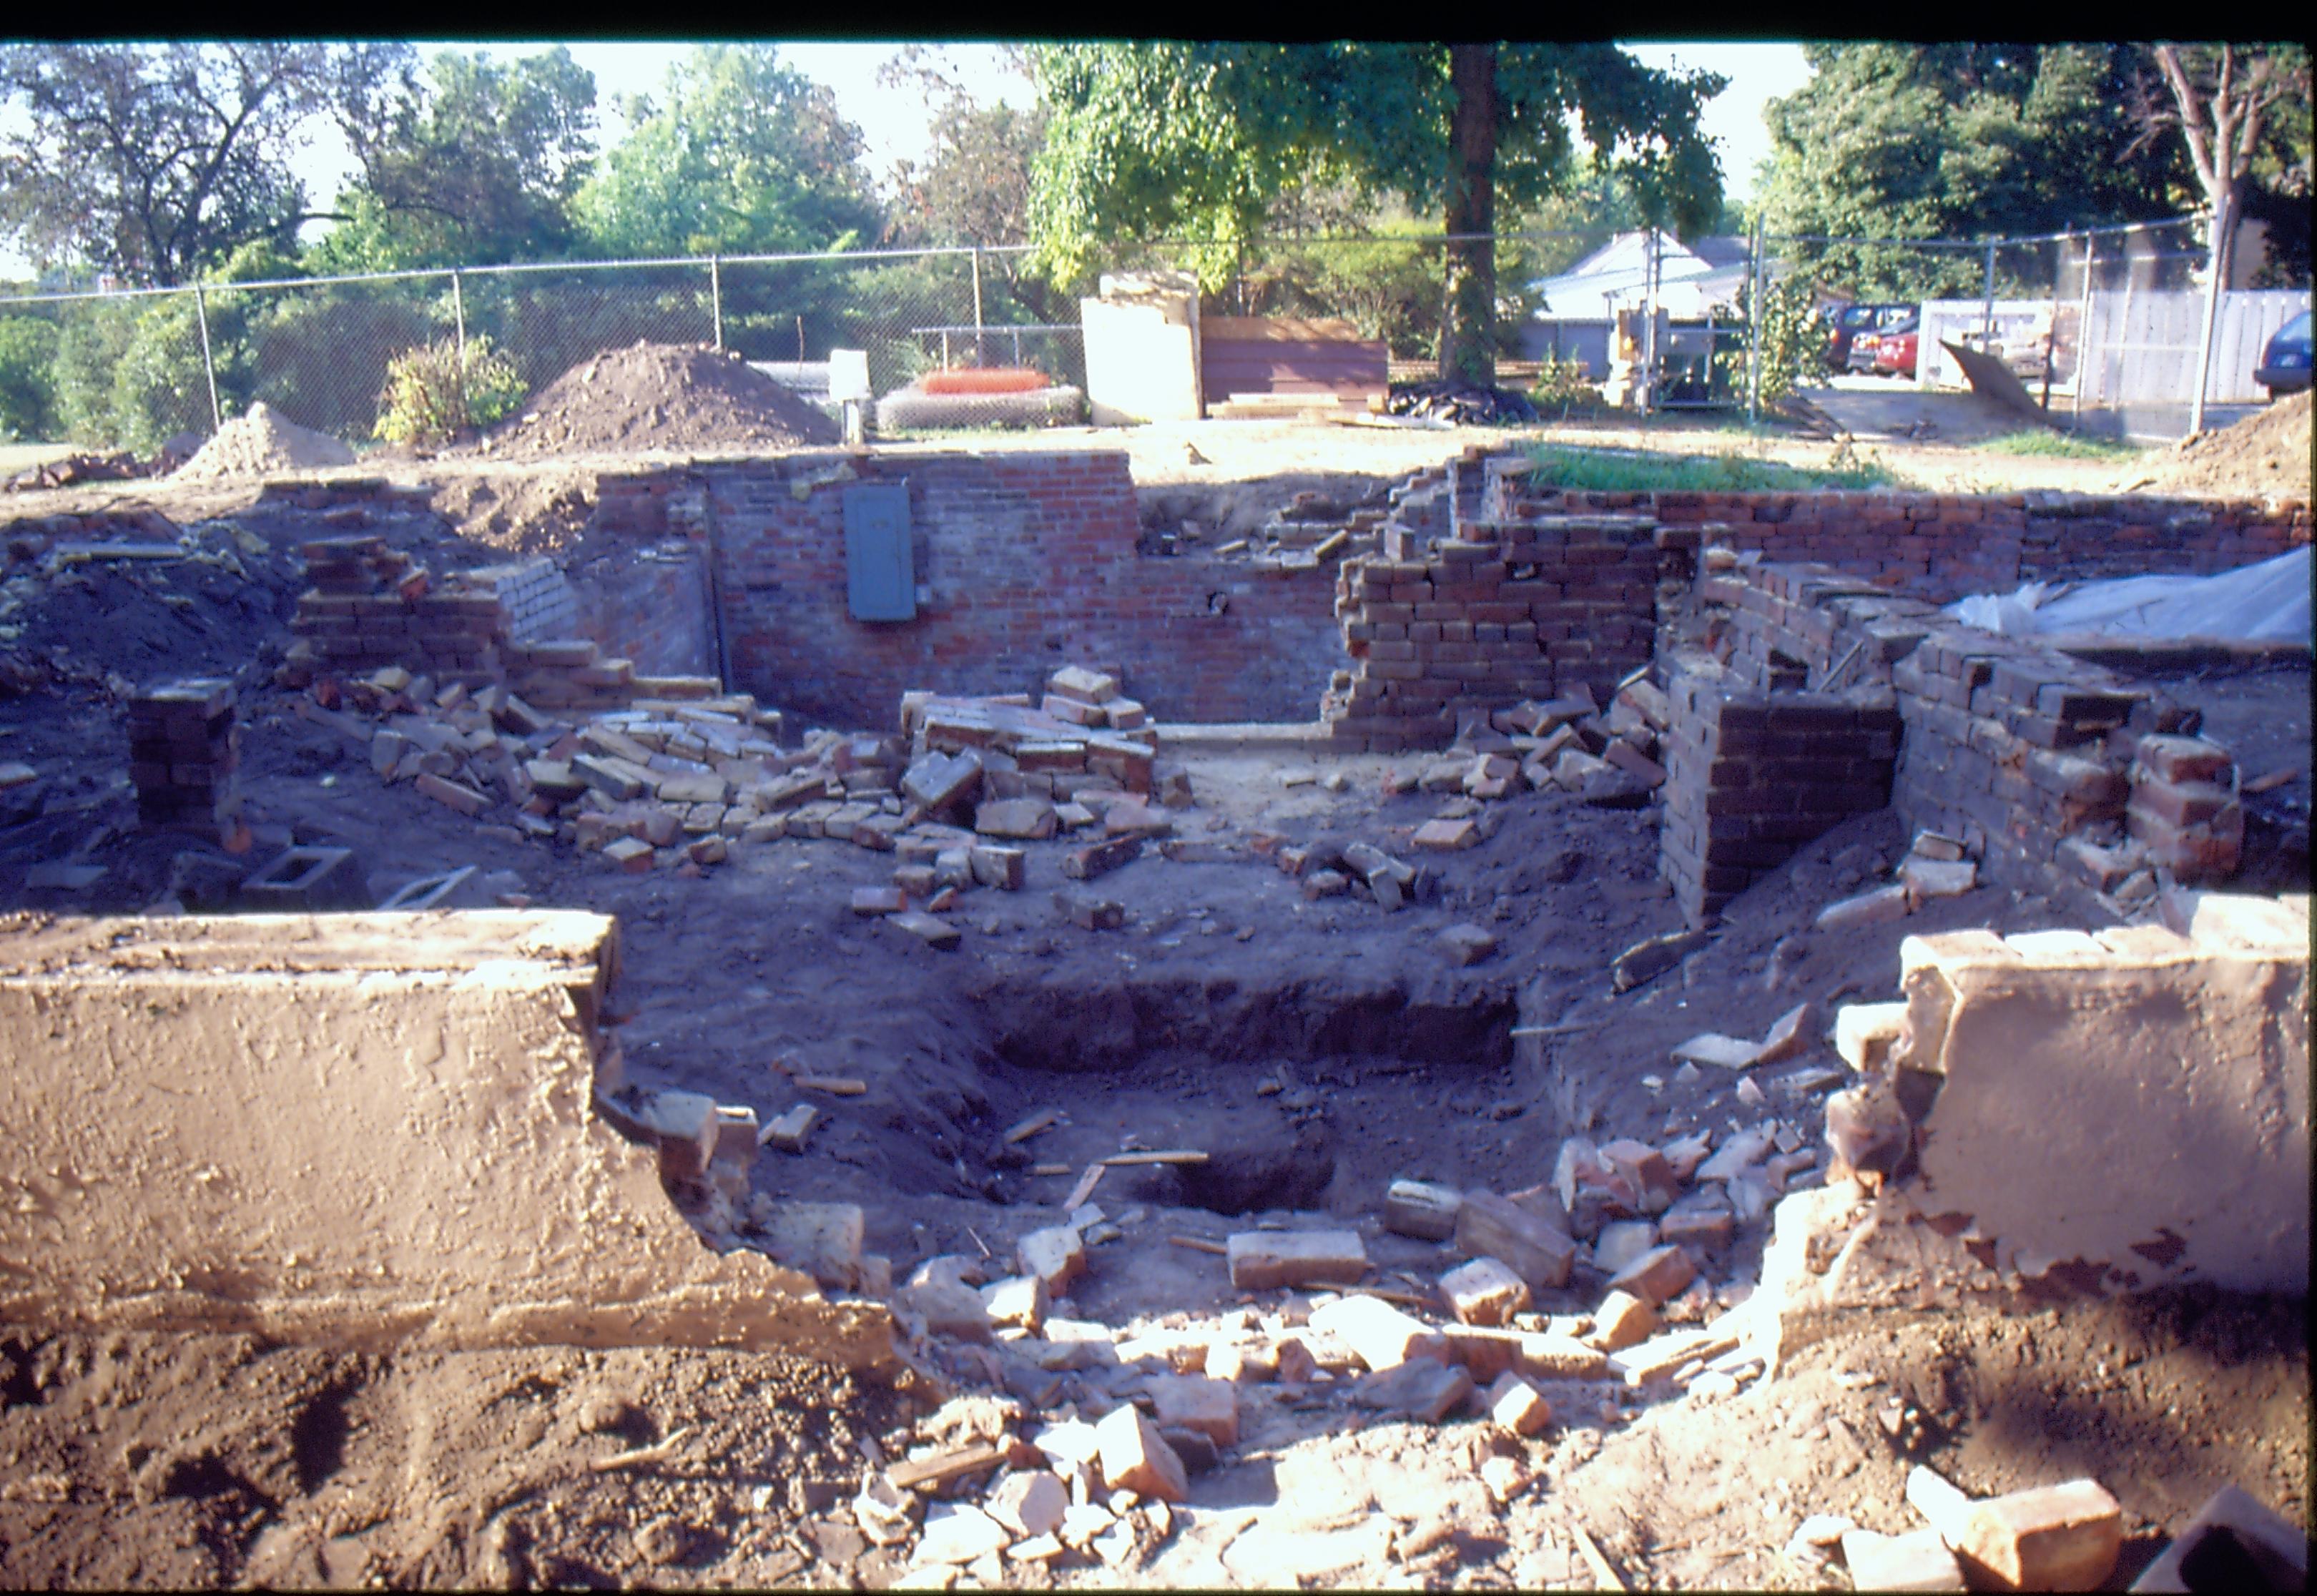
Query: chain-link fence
pixel 134 369
pixel 2109 327
pixel 2117 330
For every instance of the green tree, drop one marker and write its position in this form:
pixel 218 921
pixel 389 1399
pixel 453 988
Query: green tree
pixel 1197 141
pixel 973 188
pixel 739 155
pixel 156 161
pixel 1956 142
pixel 479 168
pixel 28 349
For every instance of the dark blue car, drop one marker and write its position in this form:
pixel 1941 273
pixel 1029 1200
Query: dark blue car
pixel 2284 365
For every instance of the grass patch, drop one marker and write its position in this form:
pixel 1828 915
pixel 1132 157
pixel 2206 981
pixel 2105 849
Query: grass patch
pixel 1602 470
pixel 2040 444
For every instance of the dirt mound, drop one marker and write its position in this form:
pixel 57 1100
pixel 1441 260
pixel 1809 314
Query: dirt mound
pixel 2264 456
pixel 264 442
pixel 659 395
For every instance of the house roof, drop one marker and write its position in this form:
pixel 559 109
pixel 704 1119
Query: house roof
pixel 1707 267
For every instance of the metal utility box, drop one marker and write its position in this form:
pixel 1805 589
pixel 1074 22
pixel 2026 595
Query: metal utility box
pixel 880 579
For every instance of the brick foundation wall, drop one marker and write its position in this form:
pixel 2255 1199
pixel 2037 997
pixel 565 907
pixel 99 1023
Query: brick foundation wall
pixel 1751 775
pixel 2061 778
pixel 1026 562
pixel 1943 546
pixel 1480 620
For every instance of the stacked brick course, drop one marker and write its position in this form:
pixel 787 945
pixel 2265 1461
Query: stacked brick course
pixel 1751 775
pixel 1498 613
pixel 2061 777
pixel 1944 545
pixel 370 607
pixel 184 748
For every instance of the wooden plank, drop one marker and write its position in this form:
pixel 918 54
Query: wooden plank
pixel 1288 328
pixel 947 1466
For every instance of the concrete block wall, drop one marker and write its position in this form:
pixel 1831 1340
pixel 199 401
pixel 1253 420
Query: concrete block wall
pixel 540 604
pixel 1943 546
pixel 1751 775
pixel 1494 614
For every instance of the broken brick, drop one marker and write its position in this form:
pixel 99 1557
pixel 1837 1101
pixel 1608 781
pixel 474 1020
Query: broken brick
pixel 1099 859
pixel 1196 1403
pixel 1136 1457
pixel 1484 1292
pixel 1384 1336
pixel 1446 835
pixel 1656 1276
pixel 879 900
pixel 1491 1226
pixel 1622 1321
pixel 1516 1406
pixel 1260 1260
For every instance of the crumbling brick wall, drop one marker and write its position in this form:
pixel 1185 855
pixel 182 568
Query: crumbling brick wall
pixel 2063 778
pixel 1941 546
pixel 1494 614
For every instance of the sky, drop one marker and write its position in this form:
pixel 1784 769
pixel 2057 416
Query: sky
pixel 894 124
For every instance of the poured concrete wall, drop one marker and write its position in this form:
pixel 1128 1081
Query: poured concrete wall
pixel 2128 1107
pixel 350 1129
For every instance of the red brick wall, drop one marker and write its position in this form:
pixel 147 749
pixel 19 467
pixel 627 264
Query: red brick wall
pixel 1944 545
pixel 1026 562
pixel 2034 760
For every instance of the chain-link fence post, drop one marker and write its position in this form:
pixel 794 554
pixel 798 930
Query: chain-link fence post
pixel 2083 332
pixel 979 355
pixel 1650 326
pixel 1754 334
pixel 459 320
pixel 2216 271
pixel 209 365
pixel 716 300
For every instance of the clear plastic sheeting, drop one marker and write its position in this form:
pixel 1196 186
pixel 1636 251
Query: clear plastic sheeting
pixel 2266 602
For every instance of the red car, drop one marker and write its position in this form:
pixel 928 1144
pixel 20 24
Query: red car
pixel 1894 354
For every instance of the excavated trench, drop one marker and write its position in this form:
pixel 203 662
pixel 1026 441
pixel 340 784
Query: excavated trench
pixel 1296 1091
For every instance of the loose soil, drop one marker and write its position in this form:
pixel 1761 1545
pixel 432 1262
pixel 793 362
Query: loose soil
pixel 2264 456
pixel 211 1461
pixel 264 442
pixel 659 396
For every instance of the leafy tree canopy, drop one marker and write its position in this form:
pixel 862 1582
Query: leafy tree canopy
pixel 155 160
pixel 1195 141
pixel 739 154
pixel 1960 141
pixel 479 168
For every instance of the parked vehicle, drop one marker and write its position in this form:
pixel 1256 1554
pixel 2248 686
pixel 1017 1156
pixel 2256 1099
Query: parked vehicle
pixel 1886 356
pixel 2284 365
pixel 1845 322
pixel 1895 353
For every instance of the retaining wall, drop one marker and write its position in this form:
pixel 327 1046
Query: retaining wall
pixel 1025 562
pixel 359 1129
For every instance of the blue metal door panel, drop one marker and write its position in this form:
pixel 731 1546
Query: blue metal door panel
pixel 880 579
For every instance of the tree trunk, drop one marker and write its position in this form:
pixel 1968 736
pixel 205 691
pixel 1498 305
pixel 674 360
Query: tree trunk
pixel 1468 316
